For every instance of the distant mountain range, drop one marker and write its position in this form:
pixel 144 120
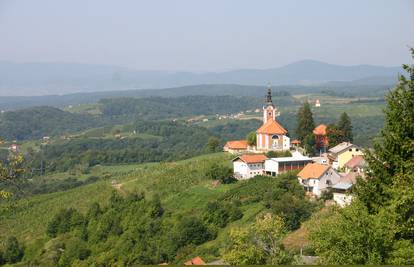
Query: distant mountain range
pixel 63 78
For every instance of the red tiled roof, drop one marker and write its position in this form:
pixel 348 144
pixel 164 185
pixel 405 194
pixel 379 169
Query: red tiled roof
pixel 252 158
pixel 320 129
pixel 271 127
pixel 195 261
pixel 237 144
pixel 355 161
pixel 296 142
pixel 313 171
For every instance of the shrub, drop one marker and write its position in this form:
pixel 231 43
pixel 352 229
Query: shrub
pixel 13 251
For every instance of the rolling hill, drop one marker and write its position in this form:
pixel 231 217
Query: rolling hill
pixel 64 78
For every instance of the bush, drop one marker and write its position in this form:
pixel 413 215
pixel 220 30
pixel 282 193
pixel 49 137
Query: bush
pixel 13 251
pixel 221 213
pixel 219 172
pixel 64 221
pixel 327 194
pixel 278 154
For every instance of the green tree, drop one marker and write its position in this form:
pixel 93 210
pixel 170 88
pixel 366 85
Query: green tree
pixel 378 227
pixel 10 172
pixel 305 121
pixel 13 251
pixel 391 164
pixel 241 250
pixel 213 144
pixel 218 172
pixel 258 244
pixel 309 143
pixel 334 134
pixel 351 236
pixel 345 126
pixel 251 138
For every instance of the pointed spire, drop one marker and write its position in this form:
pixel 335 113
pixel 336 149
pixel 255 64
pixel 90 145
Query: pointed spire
pixel 268 99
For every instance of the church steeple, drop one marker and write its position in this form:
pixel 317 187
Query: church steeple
pixel 268 98
pixel 269 110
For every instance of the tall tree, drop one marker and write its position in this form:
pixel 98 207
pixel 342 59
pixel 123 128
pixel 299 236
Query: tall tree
pixel 305 124
pixel 259 244
pixel 345 125
pixel 392 162
pixel 334 134
pixel 384 203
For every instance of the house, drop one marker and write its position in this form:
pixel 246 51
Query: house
pixel 317 103
pixel 248 166
pixel 195 261
pixel 343 189
pixel 274 166
pixel 317 178
pixel 321 139
pixel 343 152
pixel 236 147
pixel 356 164
pixel 271 136
pixel 342 193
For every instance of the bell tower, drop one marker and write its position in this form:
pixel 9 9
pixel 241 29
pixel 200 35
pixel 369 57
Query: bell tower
pixel 269 110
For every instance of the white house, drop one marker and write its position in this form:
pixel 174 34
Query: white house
pixel 341 193
pixel 317 178
pixel 274 166
pixel 248 166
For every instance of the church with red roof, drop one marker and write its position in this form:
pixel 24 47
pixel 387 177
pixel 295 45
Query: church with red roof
pixel 271 136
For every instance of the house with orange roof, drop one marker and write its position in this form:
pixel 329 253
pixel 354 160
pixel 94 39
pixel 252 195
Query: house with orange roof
pixel 236 146
pixel 271 136
pixel 317 178
pixel 195 261
pixel 321 139
pixel 248 166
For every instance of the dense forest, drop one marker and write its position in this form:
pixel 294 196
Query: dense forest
pixel 163 141
pixel 34 123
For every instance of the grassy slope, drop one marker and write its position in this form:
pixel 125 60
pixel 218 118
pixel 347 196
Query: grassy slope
pixel 181 186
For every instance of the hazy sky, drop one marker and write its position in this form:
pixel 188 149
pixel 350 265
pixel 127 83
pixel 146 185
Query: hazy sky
pixel 199 35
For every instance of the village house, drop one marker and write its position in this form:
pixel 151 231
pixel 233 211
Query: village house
pixel 343 152
pixel 356 164
pixel 248 166
pixel 275 166
pixel 342 193
pixel 317 178
pixel 236 147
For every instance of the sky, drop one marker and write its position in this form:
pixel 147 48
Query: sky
pixel 206 35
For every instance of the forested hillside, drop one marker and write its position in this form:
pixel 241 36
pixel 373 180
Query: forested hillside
pixel 162 212
pixel 34 123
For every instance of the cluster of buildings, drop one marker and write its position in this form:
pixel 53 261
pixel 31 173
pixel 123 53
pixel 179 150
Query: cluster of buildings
pixel 335 170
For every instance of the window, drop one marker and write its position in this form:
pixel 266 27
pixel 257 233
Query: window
pixel 356 149
pixel 275 136
pixel 350 150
